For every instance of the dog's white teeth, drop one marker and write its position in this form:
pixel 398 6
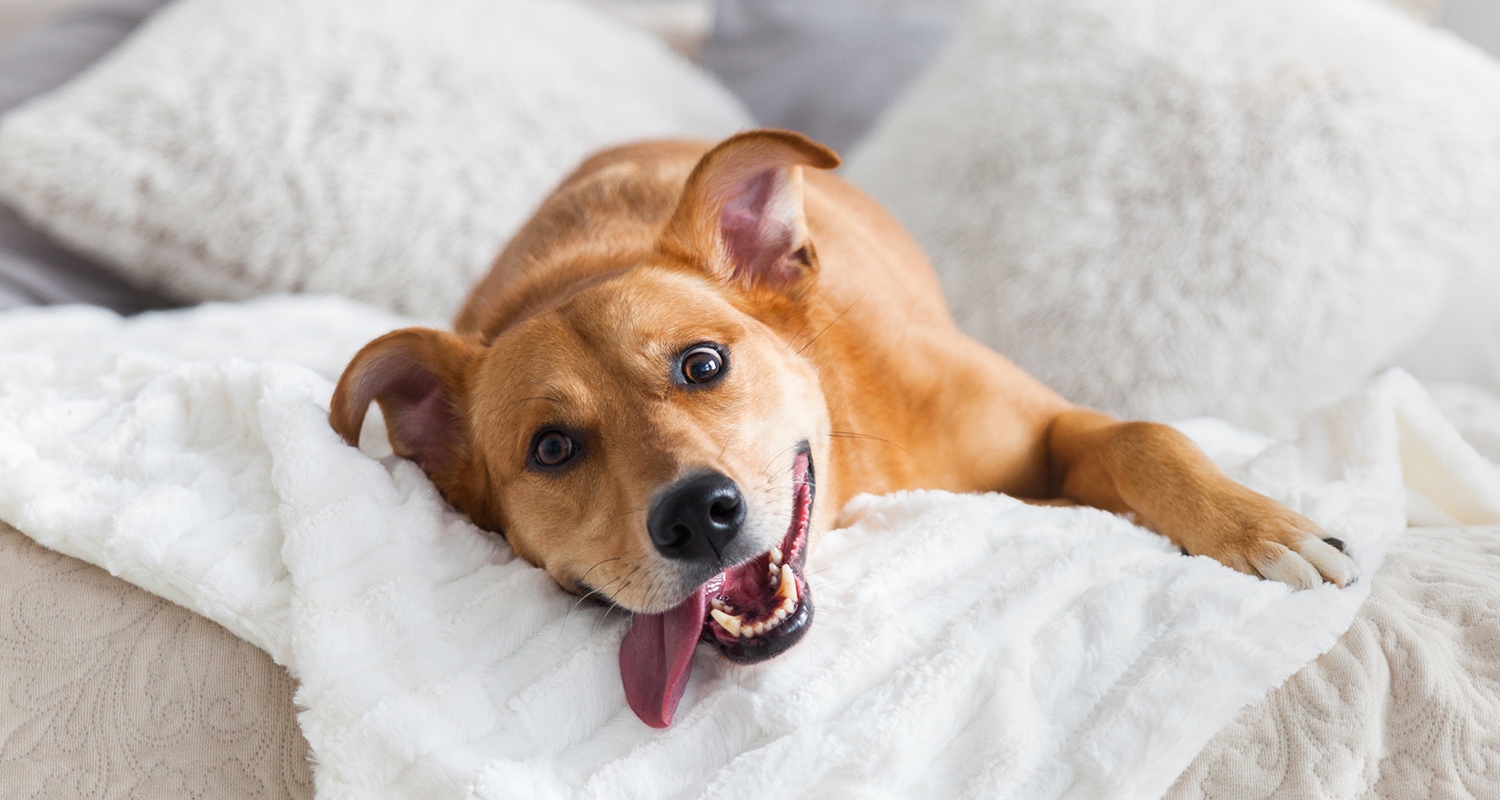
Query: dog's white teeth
pixel 788 588
pixel 730 622
pixel 785 583
pixel 776 556
pixel 737 626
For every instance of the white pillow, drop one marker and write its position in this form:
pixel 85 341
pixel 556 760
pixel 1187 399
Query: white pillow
pixel 1170 208
pixel 383 149
pixel 1463 345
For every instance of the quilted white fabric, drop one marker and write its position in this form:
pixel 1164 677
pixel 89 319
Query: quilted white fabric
pixel 1406 705
pixel 966 646
pixel 1172 208
pixel 381 149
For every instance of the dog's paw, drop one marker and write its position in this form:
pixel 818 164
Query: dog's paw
pixel 1271 541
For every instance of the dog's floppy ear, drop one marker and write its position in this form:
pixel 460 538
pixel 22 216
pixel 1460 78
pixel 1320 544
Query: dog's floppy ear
pixel 418 376
pixel 741 210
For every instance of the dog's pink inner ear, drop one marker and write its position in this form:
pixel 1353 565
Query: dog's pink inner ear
pixel 763 228
pixel 421 418
pixel 405 373
pixel 741 210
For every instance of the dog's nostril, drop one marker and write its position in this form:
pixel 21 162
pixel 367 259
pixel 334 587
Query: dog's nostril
pixel 725 511
pixel 697 517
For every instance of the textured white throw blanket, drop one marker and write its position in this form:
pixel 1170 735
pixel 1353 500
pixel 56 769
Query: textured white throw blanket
pixel 964 645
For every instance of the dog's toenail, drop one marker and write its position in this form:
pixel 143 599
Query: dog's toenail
pixel 1338 544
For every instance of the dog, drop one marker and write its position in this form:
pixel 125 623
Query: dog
pixel 688 343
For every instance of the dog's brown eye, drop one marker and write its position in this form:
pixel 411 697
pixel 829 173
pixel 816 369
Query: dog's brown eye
pixel 702 364
pixel 553 448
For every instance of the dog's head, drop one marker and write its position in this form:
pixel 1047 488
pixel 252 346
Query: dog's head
pixel 647 436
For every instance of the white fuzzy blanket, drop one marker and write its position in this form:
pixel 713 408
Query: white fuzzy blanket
pixel 965 645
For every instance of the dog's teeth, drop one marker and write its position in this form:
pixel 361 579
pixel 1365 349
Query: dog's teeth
pixel 719 604
pixel 788 588
pixel 730 622
pixel 776 556
pixel 781 613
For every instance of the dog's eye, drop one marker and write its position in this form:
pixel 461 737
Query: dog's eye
pixel 702 364
pixel 553 448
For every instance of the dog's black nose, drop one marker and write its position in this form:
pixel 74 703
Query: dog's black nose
pixel 696 518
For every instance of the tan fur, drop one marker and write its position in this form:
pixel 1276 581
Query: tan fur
pixel 852 349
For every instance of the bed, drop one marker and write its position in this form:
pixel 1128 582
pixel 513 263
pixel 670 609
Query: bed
pixel 109 690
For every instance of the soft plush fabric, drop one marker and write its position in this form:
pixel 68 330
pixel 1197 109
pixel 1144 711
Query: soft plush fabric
pixel 1463 343
pixel 109 692
pixel 1432 604
pixel 1474 411
pixel 1167 208
pixel 34 269
pixel 1406 705
pixel 1016 646
pixel 383 149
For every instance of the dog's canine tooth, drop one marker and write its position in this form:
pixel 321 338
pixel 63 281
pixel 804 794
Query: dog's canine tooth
pixel 788 588
pixel 730 622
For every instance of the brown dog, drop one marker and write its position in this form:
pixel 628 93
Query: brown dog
pixel 638 392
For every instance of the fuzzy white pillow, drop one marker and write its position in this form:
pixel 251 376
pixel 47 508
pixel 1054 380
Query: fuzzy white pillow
pixel 382 149
pixel 1170 208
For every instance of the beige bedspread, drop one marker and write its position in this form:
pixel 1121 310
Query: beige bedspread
pixel 1406 705
pixel 108 691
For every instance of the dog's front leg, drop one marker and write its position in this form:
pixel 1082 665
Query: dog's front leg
pixel 1172 487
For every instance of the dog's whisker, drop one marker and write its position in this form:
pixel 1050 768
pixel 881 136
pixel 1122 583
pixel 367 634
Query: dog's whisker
pixel 605 616
pixel 832 323
pixel 584 581
pixel 779 456
pixel 600 592
pixel 866 437
pixel 792 340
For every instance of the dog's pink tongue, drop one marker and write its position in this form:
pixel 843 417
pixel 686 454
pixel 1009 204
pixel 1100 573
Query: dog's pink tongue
pixel 656 658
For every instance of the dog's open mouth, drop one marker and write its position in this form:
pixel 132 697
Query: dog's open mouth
pixel 751 612
pixel 762 607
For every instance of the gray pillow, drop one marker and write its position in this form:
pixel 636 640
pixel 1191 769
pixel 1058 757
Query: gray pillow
pixel 827 68
pixel 34 270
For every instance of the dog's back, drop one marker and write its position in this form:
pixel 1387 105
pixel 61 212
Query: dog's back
pixel 608 215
